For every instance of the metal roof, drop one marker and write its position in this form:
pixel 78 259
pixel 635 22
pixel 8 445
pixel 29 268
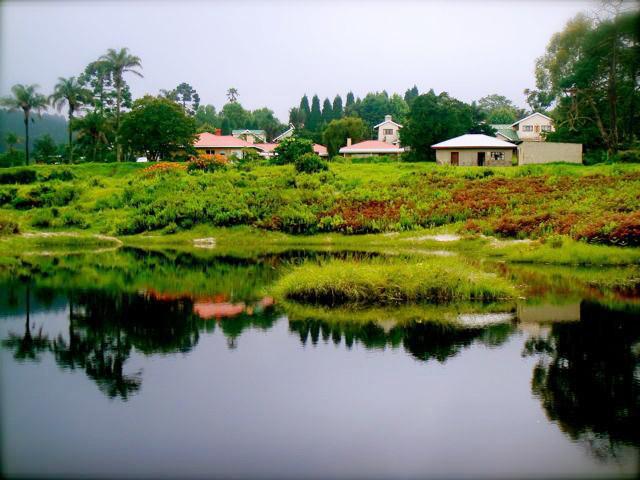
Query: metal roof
pixel 474 140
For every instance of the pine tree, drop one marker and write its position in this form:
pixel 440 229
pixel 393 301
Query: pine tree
pixel 327 111
pixel 226 126
pixel 304 107
pixel 337 107
pixel 315 116
pixel 411 94
pixel 350 100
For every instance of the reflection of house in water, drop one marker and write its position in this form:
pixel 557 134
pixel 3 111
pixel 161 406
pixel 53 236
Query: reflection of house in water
pixel 537 318
pixel 216 306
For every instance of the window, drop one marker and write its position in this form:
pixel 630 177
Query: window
pixel 527 128
pixel 388 131
pixel 209 152
pixel 497 156
pixel 546 128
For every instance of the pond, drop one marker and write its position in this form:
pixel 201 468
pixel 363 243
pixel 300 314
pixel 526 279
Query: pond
pixel 179 364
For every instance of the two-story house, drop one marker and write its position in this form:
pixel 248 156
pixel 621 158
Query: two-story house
pixel 529 129
pixel 388 131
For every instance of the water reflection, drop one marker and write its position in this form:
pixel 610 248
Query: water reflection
pixel 588 377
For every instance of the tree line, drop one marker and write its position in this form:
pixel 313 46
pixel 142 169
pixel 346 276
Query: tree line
pixel 588 81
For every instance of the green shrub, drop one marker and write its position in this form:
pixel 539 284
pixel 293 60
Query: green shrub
pixel 8 226
pixel 21 176
pixel 310 163
pixel 14 158
pixel 289 149
pixel 7 195
pixel 74 219
pixel 43 219
pixel 63 174
pixel 627 156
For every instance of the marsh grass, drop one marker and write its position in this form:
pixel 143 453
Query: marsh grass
pixel 565 251
pixel 391 316
pixel 388 281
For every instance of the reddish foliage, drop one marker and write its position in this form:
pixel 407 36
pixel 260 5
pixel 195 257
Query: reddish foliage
pixel 512 225
pixel 616 229
pixel 358 215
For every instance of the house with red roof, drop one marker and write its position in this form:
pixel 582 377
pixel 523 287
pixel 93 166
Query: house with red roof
pixel 214 144
pixel 370 148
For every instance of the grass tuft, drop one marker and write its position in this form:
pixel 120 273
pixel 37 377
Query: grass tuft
pixel 391 281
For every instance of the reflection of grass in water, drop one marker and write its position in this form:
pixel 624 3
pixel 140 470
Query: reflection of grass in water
pixel 391 281
pixel 392 316
pixel 558 283
pixel 129 270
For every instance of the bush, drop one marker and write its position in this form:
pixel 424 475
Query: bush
pixel 15 158
pixel 310 163
pixel 289 149
pixel 8 226
pixel 21 176
pixel 74 219
pixel 208 163
pixel 627 156
pixel 43 219
pixel 63 175
pixel 7 195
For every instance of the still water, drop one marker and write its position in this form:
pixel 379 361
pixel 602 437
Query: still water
pixel 177 364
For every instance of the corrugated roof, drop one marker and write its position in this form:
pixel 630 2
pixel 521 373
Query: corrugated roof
pixel 246 130
pixel 474 140
pixel 509 133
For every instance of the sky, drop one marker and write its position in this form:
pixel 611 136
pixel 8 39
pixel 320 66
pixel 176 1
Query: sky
pixel 273 52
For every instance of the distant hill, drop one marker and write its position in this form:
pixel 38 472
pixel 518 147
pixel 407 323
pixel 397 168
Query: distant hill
pixel 54 125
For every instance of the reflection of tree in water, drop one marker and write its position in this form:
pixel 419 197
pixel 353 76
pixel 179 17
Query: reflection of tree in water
pixel 588 377
pixel 424 341
pixel 27 346
pixel 105 327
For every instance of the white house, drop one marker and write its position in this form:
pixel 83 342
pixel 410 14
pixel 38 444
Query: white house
pixel 251 136
pixel 286 134
pixel 531 128
pixel 474 150
pixel 388 131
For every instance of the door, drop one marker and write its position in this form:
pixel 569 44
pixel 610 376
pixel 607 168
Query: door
pixel 481 156
pixel 455 158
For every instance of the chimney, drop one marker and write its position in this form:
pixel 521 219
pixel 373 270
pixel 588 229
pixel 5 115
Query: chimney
pixel 218 132
pixel 348 142
pixel 387 118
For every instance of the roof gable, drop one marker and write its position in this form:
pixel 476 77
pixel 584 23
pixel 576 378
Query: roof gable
pixel 529 116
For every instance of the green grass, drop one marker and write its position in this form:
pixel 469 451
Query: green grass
pixel 599 203
pixel 392 281
pixel 565 251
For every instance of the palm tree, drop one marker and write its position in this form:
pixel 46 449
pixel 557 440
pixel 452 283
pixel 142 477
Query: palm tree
pixel 25 98
pixel 69 91
pixel 92 132
pixel 120 62
pixel 232 94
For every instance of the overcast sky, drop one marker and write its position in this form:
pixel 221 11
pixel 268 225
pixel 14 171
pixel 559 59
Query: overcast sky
pixel 275 51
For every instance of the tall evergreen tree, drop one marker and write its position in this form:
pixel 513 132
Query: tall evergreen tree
pixel 411 94
pixel 337 107
pixel 305 110
pixel 327 111
pixel 350 100
pixel 315 116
